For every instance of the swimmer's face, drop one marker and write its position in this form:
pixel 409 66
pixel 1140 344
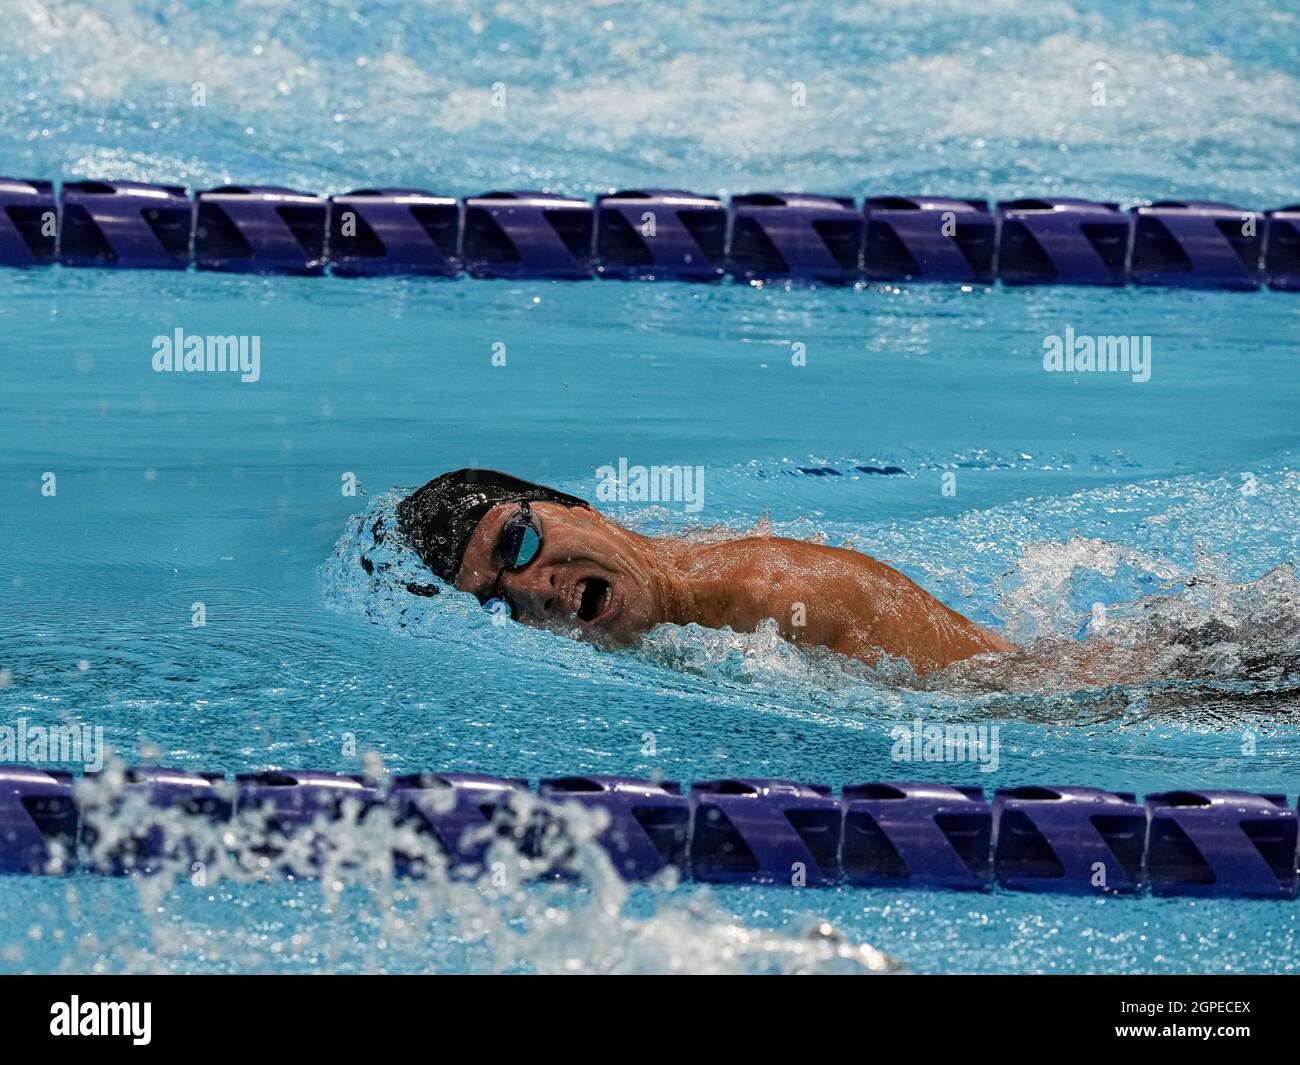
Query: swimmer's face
pixel 589 574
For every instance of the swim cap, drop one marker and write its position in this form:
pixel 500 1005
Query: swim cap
pixel 439 518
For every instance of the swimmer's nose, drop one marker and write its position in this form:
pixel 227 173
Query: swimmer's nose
pixel 533 591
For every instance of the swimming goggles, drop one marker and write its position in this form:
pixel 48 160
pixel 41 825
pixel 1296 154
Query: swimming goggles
pixel 518 543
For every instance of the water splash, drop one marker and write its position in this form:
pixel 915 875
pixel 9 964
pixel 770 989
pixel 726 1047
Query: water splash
pixel 564 910
pixel 917 92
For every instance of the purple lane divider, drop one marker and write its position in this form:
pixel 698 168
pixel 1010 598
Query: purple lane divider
pixel 260 229
pixel 1066 839
pixel 1221 843
pixel 923 835
pixel 1196 244
pixel 38 820
pixel 928 238
pixel 457 808
pixel 148 843
pixel 289 805
pixel 764 832
pixel 660 235
pixel 1062 241
pixel 29 227
pixel 124 224
pixel 651 234
pixel 648 822
pixel 1282 249
pixel 528 235
pixel 779 236
pixel 394 231
pixel 739 831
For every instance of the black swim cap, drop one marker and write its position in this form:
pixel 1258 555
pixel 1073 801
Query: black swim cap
pixel 439 518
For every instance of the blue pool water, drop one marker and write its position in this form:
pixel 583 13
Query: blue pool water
pixel 1071 490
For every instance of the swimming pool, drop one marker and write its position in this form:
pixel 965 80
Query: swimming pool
pixel 176 490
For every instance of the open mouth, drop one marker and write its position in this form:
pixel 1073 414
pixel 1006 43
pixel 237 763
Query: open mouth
pixel 593 596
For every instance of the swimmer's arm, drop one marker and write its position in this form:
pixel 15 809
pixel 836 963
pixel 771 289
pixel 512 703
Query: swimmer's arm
pixel 860 607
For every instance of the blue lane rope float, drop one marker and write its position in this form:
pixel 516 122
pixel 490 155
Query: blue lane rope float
pixel 650 234
pixel 731 831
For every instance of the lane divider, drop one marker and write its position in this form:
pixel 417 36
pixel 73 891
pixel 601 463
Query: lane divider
pixel 650 234
pixel 731 831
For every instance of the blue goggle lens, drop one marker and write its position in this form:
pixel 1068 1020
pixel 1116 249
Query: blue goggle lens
pixel 521 545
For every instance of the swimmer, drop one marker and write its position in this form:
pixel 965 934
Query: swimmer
pixel 557 563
